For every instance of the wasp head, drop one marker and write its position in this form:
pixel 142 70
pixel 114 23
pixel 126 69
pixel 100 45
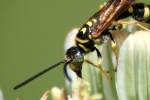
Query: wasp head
pixel 76 58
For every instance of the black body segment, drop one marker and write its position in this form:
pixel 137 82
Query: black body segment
pixel 139 11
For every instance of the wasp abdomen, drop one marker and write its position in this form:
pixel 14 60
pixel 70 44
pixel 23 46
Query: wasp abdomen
pixel 140 11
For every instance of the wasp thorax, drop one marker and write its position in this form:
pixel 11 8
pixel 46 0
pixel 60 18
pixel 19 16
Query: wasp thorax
pixel 76 57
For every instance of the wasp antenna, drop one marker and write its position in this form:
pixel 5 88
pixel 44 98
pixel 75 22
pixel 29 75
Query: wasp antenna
pixel 39 74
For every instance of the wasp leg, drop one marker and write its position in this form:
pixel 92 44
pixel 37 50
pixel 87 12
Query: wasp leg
pixel 103 71
pixel 115 50
pixel 143 27
pixel 113 45
pixel 134 23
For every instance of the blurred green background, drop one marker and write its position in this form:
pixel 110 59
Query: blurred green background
pixel 32 34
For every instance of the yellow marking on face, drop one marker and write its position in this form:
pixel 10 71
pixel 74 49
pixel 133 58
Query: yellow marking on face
pixel 72 66
pixel 94 20
pixel 83 30
pixel 89 23
pixel 85 49
pixel 81 41
pixel 146 12
pixel 130 9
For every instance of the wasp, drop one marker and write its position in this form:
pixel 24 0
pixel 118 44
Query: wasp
pixel 99 26
pixel 96 28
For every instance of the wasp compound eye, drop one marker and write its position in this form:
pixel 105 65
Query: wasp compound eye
pixel 77 59
pixel 75 55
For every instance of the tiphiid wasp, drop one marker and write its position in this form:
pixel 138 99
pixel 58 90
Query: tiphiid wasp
pixel 96 28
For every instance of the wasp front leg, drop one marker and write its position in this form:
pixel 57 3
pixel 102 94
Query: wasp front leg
pixel 99 65
pixel 107 35
pixel 115 51
pixel 103 70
